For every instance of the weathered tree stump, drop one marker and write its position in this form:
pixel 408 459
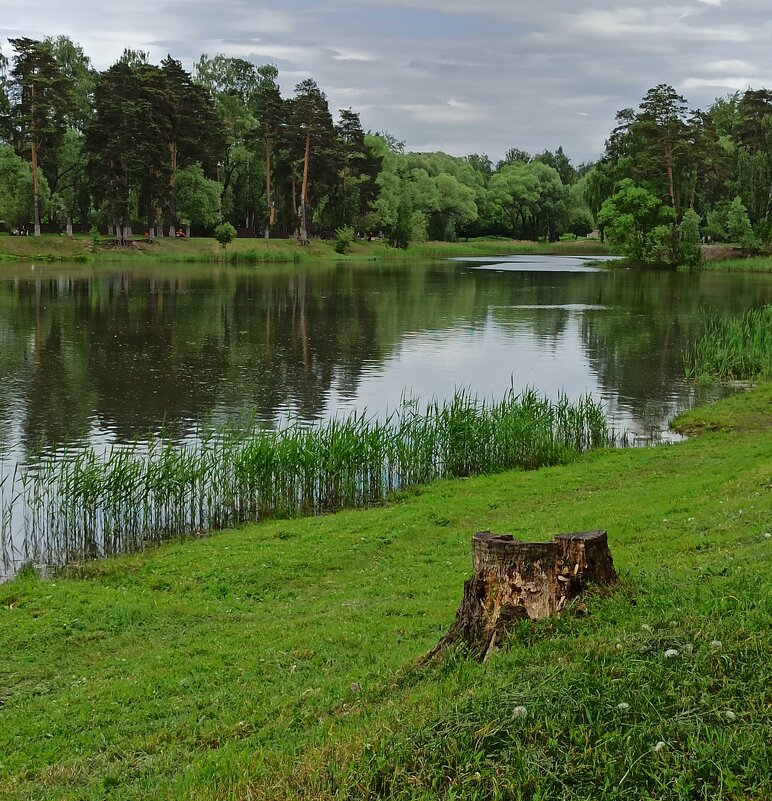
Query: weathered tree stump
pixel 515 580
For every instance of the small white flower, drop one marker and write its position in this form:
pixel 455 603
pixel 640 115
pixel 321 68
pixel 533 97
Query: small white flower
pixel 716 645
pixel 623 707
pixel 660 746
pixel 670 653
pixel 519 712
pixel 646 627
pixel 767 535
pixel 729 715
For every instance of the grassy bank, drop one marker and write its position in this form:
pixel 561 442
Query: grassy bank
pixel 51 247
pixel 731 263
pixel 274 661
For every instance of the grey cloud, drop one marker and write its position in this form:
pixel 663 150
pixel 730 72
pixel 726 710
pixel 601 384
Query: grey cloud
pixel 445 73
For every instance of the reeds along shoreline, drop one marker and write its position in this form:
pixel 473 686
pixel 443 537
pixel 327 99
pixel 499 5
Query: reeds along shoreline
pixel 85 504
pixel 735 348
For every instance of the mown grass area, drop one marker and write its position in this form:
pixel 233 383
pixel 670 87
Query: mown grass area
pixel 52 247
pixel 276 661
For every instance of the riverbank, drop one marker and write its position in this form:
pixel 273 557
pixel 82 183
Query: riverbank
pixel 734 263
pixel 50 247
pixel 274 661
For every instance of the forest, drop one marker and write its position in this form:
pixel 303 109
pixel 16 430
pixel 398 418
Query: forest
pixel 145 149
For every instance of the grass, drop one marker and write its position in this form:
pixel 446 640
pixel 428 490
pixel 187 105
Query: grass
pixel 753 264
pixel 52 247
pixel 498 247
pixel 84 504
pixel 734 348
pixel 276 661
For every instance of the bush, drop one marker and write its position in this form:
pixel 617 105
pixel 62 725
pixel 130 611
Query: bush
pixel 343 238
pixel 690 252
pixel 95 237
pixel 224 233
pixel 660 245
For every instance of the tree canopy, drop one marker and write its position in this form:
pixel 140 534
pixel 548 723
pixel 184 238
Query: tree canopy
pixel 156 146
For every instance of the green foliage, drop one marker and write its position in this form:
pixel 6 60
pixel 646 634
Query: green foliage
pixel 738 226
pixel 343 239
pixel 637 221
pixel 95 237
pixel 224 233
pixel 16 189
pixel 198 198
pixel 690 252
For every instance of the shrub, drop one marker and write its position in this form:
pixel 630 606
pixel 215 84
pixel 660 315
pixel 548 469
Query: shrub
pixel 689 245
pixel 224 233
pixel 343 238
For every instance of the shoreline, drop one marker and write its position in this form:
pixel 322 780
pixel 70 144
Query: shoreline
pixel 80 250
pixel 203 668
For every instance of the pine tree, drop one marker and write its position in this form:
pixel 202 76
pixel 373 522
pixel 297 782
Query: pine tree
pixel 40 102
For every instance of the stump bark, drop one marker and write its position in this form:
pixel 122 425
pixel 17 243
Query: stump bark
pixel 514 580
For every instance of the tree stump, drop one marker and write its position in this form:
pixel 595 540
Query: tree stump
pixel 516 580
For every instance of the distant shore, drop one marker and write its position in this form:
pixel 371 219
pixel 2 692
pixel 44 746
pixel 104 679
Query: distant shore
pixel 81 248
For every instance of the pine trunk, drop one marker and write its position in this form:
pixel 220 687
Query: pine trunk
pixel 173 191
pixel 268 199
pixel 34 149
pixel 671 187
pixel 304 193
pixel 514 580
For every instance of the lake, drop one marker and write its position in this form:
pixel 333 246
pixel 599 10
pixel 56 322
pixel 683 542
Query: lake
pixel 109 354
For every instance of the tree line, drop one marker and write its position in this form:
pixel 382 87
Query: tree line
pixel 156 147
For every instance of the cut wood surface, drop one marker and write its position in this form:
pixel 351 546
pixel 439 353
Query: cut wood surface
pixel 515 580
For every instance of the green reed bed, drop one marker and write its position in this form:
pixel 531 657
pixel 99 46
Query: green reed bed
pixel 85 504
pixel 753 264
pixel 735 348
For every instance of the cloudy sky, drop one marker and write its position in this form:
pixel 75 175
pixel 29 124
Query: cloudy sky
pixel 452 75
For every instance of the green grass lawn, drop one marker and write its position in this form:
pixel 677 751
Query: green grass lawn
pixel 53 247
pixel 276 661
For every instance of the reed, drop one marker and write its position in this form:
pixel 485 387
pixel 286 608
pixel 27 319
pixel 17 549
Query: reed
pixel 81 504
pixel 734 348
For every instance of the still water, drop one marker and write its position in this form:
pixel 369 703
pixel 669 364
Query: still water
pixel 107 355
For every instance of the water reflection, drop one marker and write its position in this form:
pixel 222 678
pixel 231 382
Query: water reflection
pixel 112 354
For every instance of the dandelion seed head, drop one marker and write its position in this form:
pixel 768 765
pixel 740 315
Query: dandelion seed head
pixel 716 645
pixel 519 712
pixel 688 648
pixel 767 535
pixel 623 707
pixel 670 653
pixel 660 746
pixel 646 627
pixel 729 715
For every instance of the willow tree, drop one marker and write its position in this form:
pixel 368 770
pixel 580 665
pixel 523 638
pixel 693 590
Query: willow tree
pixel 40 100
